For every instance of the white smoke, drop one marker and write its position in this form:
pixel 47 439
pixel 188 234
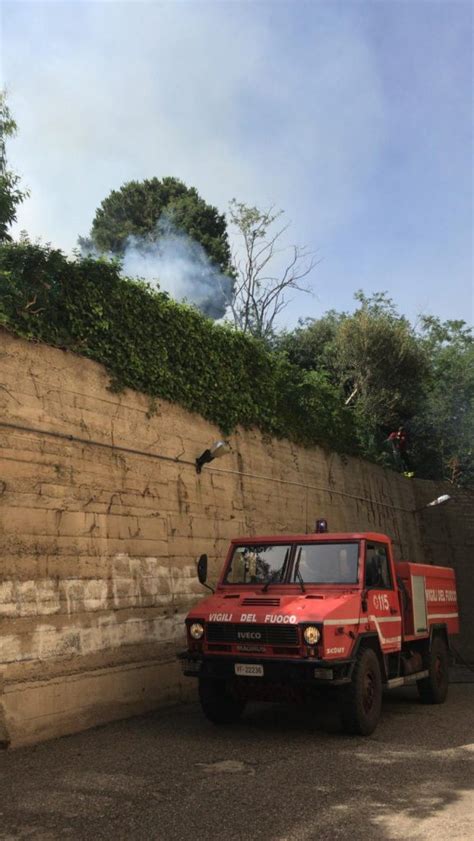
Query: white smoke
pixel 173 262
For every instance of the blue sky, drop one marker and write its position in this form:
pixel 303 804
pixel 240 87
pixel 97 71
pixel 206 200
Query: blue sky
pixel 355 118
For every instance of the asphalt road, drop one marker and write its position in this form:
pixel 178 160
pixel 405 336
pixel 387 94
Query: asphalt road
pixel 282 774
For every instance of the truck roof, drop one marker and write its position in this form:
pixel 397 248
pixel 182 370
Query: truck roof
pixel 311 538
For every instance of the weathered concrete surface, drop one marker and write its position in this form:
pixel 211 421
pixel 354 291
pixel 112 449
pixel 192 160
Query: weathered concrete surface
pixel 277 776
pixel 98 544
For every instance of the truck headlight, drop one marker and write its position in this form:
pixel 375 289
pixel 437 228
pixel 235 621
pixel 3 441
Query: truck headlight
pixel 311 635
pixel 196 630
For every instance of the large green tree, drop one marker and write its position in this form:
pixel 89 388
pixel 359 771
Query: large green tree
pixel 382 365
pixel 10 193
pixel 139 208
pixel 443 437
pixel 392 374
pixel 375 358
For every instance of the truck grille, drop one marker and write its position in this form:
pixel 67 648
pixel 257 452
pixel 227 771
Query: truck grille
pixel 252 634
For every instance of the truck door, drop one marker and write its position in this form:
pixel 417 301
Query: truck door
pixel 383 607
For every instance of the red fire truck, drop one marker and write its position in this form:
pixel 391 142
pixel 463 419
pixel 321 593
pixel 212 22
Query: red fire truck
pixel 296 613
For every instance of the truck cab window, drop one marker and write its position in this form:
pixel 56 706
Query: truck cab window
pixel 377 569
pixel 327 563
pixel 257 564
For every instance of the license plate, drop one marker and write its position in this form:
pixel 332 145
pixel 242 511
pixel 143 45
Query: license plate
pixel 249 669
pixel 325 674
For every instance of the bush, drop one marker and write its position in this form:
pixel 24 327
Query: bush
pixel 150 343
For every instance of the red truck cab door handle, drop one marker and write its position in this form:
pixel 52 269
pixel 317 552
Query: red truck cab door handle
pixel 393 611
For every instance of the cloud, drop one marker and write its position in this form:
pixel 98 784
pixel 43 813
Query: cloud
pixel 212 93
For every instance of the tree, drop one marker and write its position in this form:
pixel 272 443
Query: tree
pixel 10 194
pixel 382 364
pixel 262 282
pixel 444 429
pixel 312 344
pixel 138 208
pixel 375 359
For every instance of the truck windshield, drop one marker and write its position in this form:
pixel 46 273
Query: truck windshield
pixel 326 563
pixel 257 564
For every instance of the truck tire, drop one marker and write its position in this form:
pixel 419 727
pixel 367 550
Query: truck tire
pixel 218 704
pixel 434 688
pixel 361 700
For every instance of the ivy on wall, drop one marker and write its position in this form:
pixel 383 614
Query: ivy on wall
pixel 150 343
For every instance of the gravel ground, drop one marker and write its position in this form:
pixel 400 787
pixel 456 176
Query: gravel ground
pixel 282 774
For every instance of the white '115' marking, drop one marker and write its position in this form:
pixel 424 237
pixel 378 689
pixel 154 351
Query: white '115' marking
pixel 381 602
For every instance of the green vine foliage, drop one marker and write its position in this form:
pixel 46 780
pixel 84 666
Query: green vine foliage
pixel 150 343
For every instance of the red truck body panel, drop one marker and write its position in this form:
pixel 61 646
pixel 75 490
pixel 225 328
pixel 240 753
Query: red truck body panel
pixel 253 611
pixel 432 598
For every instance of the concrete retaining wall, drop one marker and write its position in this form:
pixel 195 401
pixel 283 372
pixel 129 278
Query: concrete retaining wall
pixel 102 516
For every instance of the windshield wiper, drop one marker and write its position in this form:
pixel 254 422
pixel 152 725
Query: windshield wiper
pixel 271 579
pixel 300 579
pixel 276 572
pixel 297 571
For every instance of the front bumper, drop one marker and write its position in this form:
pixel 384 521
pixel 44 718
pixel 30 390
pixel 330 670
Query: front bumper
pixel 275 670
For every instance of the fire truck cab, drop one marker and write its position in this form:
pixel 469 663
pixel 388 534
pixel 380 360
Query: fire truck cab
pixel 292 614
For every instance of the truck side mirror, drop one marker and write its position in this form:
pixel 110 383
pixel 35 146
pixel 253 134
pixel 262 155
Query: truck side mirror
pixel 202 569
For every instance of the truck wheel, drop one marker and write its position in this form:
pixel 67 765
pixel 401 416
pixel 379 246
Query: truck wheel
pixel 218 704
pixel 434 688
pixel 361 700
